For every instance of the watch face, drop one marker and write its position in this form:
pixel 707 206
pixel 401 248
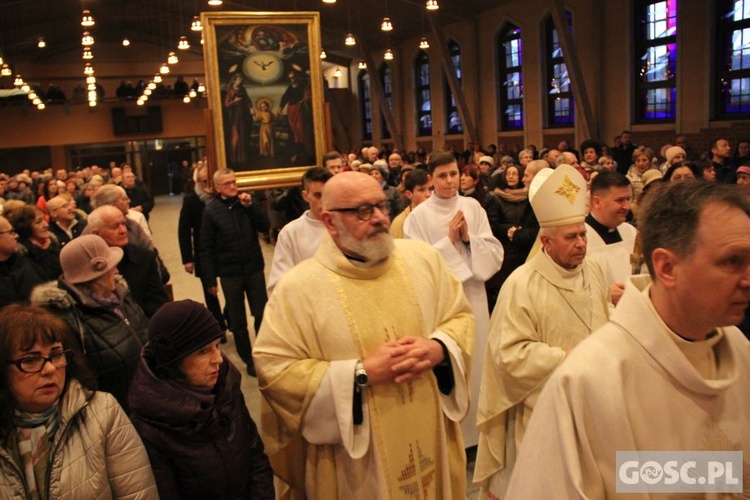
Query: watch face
pixel 263 67
pixel 361 379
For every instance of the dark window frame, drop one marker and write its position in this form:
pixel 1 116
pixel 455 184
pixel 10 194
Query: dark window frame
pixel 386 80
pixel 554 93
pixel 423 94
pixel 724 75
pixel 365 102
pixel 648 107
pixel 509 34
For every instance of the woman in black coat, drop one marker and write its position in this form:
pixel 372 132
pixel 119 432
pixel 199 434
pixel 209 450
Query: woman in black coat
pixel 188 408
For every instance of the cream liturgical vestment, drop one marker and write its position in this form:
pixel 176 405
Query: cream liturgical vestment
pixel 474 264
pixel 542 312
pixel 327 313
pixel 298 240
pixel 633 386
pixel 614 259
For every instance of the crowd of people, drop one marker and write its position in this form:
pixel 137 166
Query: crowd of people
pixel 419 308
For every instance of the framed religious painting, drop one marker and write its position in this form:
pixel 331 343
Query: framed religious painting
pixel 265 93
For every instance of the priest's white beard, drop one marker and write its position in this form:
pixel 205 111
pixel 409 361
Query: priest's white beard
pixel 376 246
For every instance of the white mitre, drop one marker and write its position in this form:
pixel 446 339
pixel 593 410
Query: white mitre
pixel 558 196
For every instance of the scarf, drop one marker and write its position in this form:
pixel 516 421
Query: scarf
pixel 34 433
pixel 512 195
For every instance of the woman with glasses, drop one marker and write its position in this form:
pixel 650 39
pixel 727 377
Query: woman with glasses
pixel 58 437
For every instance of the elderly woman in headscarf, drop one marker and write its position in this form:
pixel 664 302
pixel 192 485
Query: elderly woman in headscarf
pixel 188 407
pixel 59 438
pixel 90 296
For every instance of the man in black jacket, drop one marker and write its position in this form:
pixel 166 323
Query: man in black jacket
pixel 140 200
pixel 17 277
pixel 230 250
pixel 63 221
pixel 189 234
pixel 139 265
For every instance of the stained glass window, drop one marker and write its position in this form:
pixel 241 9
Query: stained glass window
pixel 560 105
pixel 732 85
pixel 453 120
pixel 656 60
pixel 365 100
pixel 511 79
pixel 423 101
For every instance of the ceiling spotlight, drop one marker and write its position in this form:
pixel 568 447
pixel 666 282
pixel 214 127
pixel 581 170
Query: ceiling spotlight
pixel 40 106
pixel 25 87
pixel 337 73
pixel 157 78
pixel 91 86
pixel 92 104
pixel 87 39
pixel 386 24
pixel 432 5
pixel 164 70
pixel 2 61
pixel 139 102
pixel 172 58
pixel 40 42
pixel 362 64
pixel 5 71
pixel 201 88
pixel 183 44
pixel 350 40
pixel 201 40
pixel 90 80
pixel 151 86
pixel 196 24
pixel 36 101
pixel 323 54
pixel 424 44
pixel 32 95
pixel 192 94
pixel 87 20
pixel 87 54
pixel 186 99
pixel 18 81
pixel 147 91
pixel 388 56
pixel 329 1
pixel 88 69
pixel 214 3
pixel 125 42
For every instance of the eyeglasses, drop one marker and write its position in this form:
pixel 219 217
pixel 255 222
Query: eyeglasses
pixel 35 364
pixel 9 231
pixel 228 183
pixel 364 211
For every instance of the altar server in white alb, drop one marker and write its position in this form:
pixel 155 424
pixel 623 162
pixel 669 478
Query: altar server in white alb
pixel 363 361
pixel 666 373
pixel 545 308
pixel 457 227
pixel 611 239
pixel 300 239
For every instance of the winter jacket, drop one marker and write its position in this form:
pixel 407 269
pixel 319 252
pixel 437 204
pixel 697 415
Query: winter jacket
pixel 95 454
pixel 46 262
pixel 17 279
pixel 112 344
pixel 189 231
pixel 140 268
pixel 229 239
pixel 201 443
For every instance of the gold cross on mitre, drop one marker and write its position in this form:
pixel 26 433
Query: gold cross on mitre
pixel 568 190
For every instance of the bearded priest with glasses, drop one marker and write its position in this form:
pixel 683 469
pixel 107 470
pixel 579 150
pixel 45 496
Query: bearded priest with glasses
pixel 363 361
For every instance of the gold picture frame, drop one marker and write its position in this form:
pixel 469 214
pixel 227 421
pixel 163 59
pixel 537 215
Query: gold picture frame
pixel 265 94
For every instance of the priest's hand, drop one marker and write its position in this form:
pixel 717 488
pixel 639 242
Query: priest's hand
pixel 421 355
pixel 379 363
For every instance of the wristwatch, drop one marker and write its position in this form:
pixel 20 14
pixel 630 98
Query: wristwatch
pixel 360 375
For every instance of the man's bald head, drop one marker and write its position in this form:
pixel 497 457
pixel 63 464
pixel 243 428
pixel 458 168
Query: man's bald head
pixel 339 189
pixel 98 216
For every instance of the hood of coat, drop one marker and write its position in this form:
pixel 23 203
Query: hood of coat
pixel 62 295
pixel 179 408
